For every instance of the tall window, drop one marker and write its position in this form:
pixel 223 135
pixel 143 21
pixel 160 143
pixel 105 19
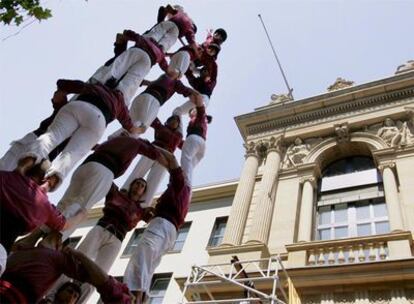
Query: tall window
pixel 361 218
pixel 351 200
pixel 133 241
pixel 217 234
pixel 181 237
pixel 158 288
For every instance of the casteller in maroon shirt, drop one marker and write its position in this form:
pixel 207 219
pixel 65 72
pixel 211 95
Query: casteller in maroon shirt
pixel 198 123
pixel 33 271
pixel 122 213
pixel 23 207
pixel 117 153
pixel 174 202
pixel 185 26
pixel 164 87
pixel 165 137
pixel 109 101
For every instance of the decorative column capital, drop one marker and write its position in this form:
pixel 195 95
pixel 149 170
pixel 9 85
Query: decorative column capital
pixel 275 144
pixel 388 164
pixel 310 179
pixel 251 149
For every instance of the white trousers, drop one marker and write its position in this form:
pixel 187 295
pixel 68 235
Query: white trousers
pixel 17 148
pixel 101 246
pixel 165 34
pixel 188 105
pixel 89 184
pixel 180 62
pixel 132 66
pixel 157 239
pixel 81 121
pixel 143 111
pixel 193 151
pixel 155 176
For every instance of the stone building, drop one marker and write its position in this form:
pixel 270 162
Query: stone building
pixel 327 187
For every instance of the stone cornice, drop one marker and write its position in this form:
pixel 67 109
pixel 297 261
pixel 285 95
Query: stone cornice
pixel 380 94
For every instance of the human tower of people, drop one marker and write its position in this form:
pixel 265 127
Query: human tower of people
pixel 38 162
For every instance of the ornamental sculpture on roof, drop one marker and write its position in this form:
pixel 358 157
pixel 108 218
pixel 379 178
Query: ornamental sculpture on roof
pixel 406 67
pixel 340 83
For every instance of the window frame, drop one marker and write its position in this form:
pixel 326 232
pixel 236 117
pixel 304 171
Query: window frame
pixel 352 220
pixel 184 226
pixel 127 252
pixel 217 222
pixel 155 278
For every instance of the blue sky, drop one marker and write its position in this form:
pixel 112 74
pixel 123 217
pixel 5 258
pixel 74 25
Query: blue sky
pixel 316 41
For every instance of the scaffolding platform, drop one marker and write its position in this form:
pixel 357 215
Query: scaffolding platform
pixel 241 275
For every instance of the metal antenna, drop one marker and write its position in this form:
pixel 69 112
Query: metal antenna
pixel 277 59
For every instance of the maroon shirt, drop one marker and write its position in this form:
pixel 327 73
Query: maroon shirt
pixel 113 291
pixel 164 87
pixel 165 137
pixel 211 64
pixel 21 197
pixel 110 99
pixel 151 47
pixel 203 87
pixel 185 26
pixel 198 124
pixel 120 211
pixel 174 202
pixel 117 153
pixel 33 271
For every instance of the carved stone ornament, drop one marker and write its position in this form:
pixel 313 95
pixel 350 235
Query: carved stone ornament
pixel 406 67
pixel 250 148
pixel 388 164
pixel 274 144
pixel 394 134
pixel 342 133
pixel 281 98
pixel 340 83
pixel 310 179
pixel 296 152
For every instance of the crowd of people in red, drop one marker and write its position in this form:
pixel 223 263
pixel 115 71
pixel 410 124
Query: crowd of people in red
pixel 35 266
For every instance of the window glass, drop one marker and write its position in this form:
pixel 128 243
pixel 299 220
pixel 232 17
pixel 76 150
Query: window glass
pixel 158 288
pixel 217 234
pixel 341 213
pixel 325 215
pixel 362 211
pixel 380 210
pixel 341 232
pixel 325 234
pixel 133 241
pixel 181 237
pixel 364 229
pixel 382 227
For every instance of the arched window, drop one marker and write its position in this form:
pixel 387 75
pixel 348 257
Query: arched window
pixel 350 200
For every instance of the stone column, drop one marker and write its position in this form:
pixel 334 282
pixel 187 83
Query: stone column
pixel 264 209
pixel 241 202
pixel 306 209
pixel 391 196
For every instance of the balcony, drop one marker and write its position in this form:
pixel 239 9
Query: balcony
pixel 358 250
